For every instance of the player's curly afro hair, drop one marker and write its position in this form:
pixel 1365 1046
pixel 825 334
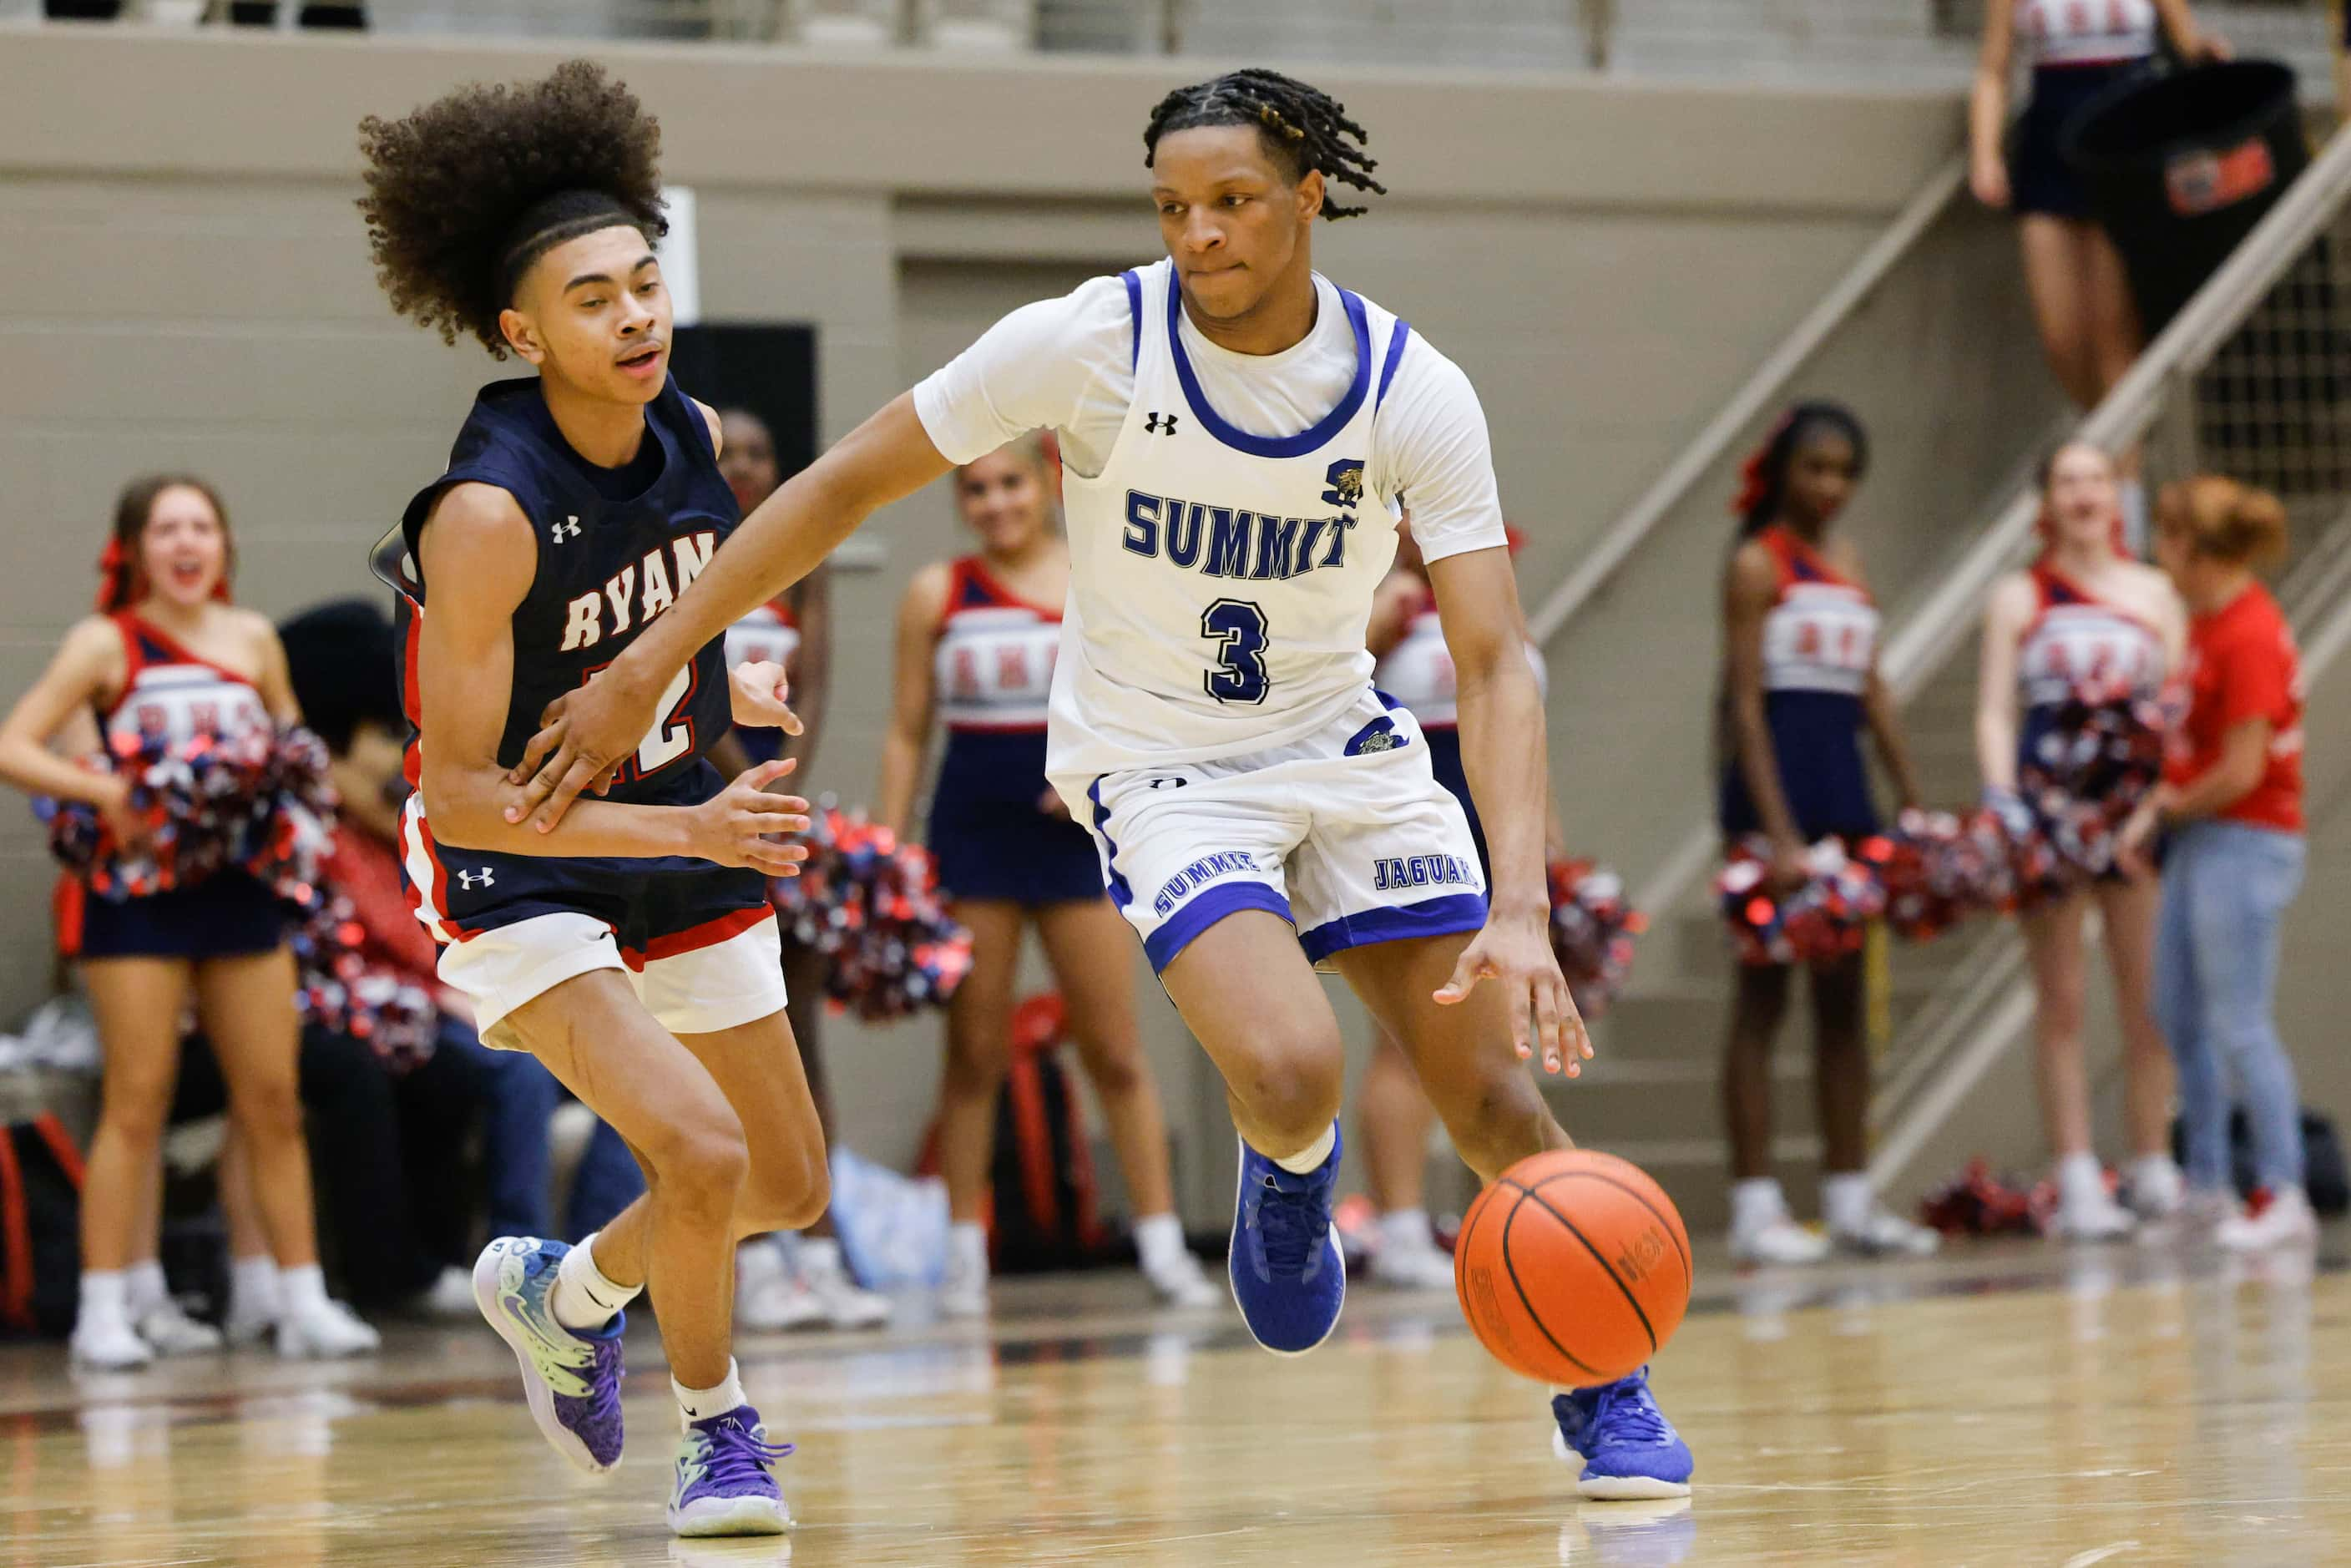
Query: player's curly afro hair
pixel 465 193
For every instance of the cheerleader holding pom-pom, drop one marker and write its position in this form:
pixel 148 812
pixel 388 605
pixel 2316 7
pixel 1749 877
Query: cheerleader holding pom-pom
pixel 1799 686
pixel 2076 653
pixel 184 839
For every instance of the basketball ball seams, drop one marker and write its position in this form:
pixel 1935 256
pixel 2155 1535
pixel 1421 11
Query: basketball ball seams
pixel 1527 1194
pixel 1534 1317
pixel 1671 1228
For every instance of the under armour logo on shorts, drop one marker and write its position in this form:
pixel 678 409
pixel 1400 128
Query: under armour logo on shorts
pixel 1160 423
pixel 568 528
pixel 470 880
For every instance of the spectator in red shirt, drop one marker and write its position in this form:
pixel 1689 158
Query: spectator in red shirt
pixel 2231 799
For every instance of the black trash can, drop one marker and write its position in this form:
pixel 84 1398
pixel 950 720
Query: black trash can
pixel 2181 167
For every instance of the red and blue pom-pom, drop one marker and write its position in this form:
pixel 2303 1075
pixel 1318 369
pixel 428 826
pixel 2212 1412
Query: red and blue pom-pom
pixel 259 803
pixel 871 905
pixel 340 989
pixel 1824 919
pixel 1592 928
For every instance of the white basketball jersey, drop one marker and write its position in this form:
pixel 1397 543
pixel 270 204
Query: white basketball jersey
pixel 1220 582
pixel 1418 672
pixel 2086 32
pixel 2078 644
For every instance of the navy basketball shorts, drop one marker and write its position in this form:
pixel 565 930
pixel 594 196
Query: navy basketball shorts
pixel 1345 834
pixel 697 942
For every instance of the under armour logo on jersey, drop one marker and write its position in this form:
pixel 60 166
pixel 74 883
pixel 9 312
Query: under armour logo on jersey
pixel 568 528
pixel 1160 423
pixel 470 880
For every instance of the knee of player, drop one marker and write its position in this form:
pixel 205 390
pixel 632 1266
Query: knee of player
pixel 1117 1070
pixel 268 1109
pixel 1498 1119
pixel 787 1194
pixel 136 1111
pixel 704 1158
pixel 974 1069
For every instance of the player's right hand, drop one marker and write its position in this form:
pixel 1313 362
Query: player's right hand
pixel 128 827
pixel 1989 181
pixel 737 826
pixel 1791 866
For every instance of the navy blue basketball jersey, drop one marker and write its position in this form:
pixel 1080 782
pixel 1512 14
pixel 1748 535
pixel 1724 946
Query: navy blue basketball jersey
pixel 606 567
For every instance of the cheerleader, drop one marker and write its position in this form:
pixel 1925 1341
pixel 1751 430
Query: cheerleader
pixel 167 657
pixel 1800 684
pixel 2084 619
pixel 977 638
pixel 1415 668
pixel 2078 49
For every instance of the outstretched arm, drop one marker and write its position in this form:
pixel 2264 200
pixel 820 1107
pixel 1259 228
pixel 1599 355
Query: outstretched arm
pixel 1502 751
pixel 589 734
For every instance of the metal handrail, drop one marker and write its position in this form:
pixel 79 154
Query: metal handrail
pixel 1763 384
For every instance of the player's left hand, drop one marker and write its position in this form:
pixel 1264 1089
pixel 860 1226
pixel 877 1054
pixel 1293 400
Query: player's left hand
pixel 1516 955
pixel 584 737
pixel 759 691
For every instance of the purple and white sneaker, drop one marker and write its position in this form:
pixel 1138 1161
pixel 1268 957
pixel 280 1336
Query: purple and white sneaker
pixel 571 1377
pixel 725 1484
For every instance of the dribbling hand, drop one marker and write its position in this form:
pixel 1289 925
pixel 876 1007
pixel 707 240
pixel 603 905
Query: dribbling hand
pixel 1517 955
pixel 736 826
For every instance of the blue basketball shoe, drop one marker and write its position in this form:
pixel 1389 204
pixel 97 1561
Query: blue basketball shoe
pixel 1628 1448
pixel 572 1378
pixel 723 1483
pixel 1289 1278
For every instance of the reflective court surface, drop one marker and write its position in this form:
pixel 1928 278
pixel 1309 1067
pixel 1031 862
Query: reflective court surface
pixel 2009 1404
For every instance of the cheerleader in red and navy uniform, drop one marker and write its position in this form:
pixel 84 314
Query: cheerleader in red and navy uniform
pixel 978 639
pixel 168 657
pixel 1801 684
pixel 1393 1114
pixel 2083 618
pixel 808 1284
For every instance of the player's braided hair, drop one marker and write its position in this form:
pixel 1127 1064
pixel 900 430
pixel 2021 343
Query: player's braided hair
pixel 465 193
pixel 1302 126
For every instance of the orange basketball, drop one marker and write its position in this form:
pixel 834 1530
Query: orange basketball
pixel 1573 1268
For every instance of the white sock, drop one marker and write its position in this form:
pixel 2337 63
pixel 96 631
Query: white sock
pixel 583 1297
pixel 2080 1180
pixel 820 1256
pixel 1159 1240
pixel 146 1288
pixel 1756 1202
pixel 700 1404
pixel 105 1298
pixel 1846 1200
pixel 967 1248
pixel 252 1288
pixel 303 1291
pixel 1407 1229
pixel 1308 1160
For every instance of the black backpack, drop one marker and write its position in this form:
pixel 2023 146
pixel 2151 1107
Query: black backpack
pixel 2326 1178
pixel 40 1229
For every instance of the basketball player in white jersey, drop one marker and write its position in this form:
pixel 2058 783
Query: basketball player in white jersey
pixel 1236 432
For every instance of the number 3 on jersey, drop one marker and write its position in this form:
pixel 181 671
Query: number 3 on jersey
pixel 1239 673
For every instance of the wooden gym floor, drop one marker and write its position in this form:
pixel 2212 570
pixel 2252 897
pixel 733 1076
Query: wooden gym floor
pixel 2010 1404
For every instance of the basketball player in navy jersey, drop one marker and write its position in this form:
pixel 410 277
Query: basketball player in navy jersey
pixel 634 951
pixel 1236 432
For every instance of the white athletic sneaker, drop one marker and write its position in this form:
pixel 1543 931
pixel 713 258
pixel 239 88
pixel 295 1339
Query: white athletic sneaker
pixel 841 1300
pixel 246 1328
pixel 2156 1189
pixel 109 1345
pixel 1180 1281
pixel 325 1333
pixel 1779 1242
pixel 1411 1266
pixel 768 1298
pixel 168 1330
pixel 451 1297
pixel 963 1293
pixel 2093 1219
pixel 2287 1222
pixel 1885 1234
